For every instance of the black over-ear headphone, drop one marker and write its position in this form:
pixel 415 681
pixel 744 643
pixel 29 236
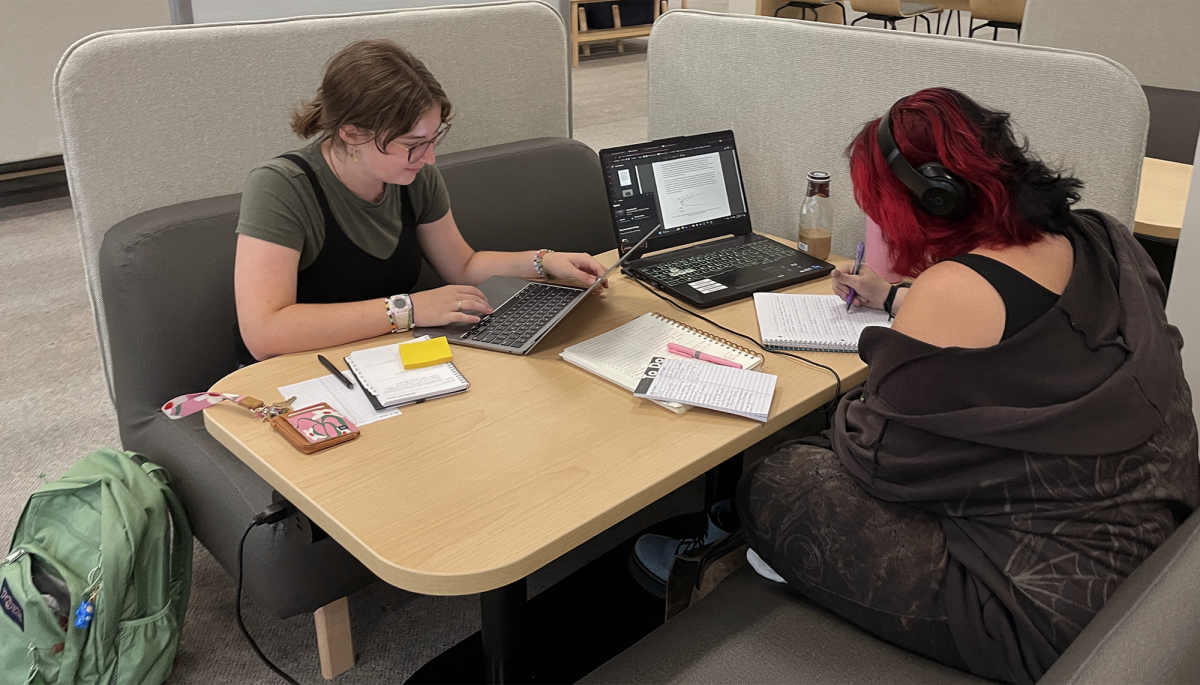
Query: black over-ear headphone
pixel 938 191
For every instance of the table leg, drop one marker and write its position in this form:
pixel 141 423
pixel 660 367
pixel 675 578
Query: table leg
pixel 720 482
pixel 503 614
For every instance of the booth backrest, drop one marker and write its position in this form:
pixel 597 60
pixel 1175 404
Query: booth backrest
pixel 796 92
pixel 168 273
pixel 157 117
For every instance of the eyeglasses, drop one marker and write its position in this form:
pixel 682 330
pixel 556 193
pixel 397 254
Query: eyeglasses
pixel 418 151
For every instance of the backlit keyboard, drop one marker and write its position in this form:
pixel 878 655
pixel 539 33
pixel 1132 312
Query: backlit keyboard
pixel 715 263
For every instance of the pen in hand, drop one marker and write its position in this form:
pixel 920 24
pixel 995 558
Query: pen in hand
pixel 858 259
pixel 333 369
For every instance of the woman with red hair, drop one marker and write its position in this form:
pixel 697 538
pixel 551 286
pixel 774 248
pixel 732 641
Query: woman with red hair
pixel 1025 436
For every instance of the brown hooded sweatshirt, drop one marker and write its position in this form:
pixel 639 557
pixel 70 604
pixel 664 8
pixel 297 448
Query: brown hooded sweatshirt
pixel 1059 458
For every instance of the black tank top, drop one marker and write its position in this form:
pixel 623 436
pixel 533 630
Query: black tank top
pixel 344 272
pixel 1025 300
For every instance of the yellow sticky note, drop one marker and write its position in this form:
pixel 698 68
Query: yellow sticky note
pixel 425 353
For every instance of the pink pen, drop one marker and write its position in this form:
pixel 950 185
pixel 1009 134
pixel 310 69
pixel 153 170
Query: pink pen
pixel 702 356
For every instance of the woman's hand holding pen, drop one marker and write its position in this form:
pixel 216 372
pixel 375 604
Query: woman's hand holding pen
pixel 869 287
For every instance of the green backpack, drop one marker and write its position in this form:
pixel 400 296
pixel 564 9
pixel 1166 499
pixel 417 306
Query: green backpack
pixel 95 586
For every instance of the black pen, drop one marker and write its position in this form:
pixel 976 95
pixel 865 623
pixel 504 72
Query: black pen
pixel 333 369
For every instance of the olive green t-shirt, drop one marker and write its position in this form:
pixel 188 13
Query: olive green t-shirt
pixel 279 206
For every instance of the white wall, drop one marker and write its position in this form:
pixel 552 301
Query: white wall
pixel 1183 304
pixel 34 34
pixel 206 11
pixel 1155 39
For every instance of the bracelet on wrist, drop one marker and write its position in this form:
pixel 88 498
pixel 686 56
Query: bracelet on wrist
pixel 387 303
pixel 539 267
pixel 891 298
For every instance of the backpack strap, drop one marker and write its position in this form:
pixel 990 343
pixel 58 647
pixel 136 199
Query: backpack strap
pixel 181 538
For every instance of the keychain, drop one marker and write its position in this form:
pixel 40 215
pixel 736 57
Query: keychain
pixel 186 405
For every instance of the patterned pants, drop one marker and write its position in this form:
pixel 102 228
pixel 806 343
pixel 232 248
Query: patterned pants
pixel 878 564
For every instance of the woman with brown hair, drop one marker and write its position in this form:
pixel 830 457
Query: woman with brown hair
pixel 330 236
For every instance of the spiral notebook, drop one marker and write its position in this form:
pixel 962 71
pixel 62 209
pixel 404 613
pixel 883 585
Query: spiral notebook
pixel 387 383
pixel 620 355
pixel 813 323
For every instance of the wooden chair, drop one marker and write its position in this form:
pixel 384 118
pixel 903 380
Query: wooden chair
pixel 582 37
pixel 998 14
pixel 813 5
pixel 891 11
pixel 948 7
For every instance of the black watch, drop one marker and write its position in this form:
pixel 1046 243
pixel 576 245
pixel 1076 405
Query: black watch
pixel 891 298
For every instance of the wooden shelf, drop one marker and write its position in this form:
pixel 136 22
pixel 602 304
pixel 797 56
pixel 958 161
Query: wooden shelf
pixel 597 35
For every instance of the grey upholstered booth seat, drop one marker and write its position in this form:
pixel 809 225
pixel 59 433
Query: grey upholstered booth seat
pixel 167 279
pixel 751 630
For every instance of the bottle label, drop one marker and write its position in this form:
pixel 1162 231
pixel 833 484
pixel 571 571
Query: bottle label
pixel 803 246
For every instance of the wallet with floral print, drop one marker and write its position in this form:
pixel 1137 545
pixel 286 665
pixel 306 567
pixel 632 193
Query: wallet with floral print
pixel 312 429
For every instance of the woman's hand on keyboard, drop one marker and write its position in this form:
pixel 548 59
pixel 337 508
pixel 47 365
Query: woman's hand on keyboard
pixel 575 266
pixel 448 304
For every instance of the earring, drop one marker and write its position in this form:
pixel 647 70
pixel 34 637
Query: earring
pixel 354 154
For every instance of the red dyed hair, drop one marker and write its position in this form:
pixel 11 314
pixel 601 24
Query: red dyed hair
pixel 1014 197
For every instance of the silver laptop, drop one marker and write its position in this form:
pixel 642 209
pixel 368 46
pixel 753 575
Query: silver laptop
pixel 528 311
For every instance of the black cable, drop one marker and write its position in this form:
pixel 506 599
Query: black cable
pixel 824 409
pixel 276 512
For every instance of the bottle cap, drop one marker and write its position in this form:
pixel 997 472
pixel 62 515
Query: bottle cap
pixel 818 177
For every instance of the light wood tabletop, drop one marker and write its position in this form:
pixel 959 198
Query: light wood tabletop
pixel 472 492
pixel 1162 198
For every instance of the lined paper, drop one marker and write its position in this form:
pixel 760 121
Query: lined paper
pixel 350 401
pixel 813 322
pixel 712 386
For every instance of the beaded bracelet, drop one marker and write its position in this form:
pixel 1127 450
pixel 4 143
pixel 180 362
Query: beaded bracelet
pixel 391 319
pixel 537 264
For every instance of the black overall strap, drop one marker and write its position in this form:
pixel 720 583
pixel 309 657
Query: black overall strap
pixel 323 201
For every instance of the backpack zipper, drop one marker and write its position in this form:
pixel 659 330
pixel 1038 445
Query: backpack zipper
pixel 13 556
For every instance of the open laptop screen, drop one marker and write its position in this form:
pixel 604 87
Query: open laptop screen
pixel 691 185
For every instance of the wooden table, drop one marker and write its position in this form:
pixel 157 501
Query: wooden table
pixel 474 492
pixel 1162 198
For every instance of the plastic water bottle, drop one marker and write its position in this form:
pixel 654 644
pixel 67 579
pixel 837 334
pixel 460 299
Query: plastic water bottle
pixel 816 217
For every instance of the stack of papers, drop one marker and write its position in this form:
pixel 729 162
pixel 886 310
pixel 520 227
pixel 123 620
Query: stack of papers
pixel 711 386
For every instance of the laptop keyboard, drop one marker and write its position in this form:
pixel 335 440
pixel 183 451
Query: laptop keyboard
pixel 718 262
pixel 522 316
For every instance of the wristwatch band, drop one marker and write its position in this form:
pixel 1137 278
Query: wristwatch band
pixel 891 298
pixel 400 312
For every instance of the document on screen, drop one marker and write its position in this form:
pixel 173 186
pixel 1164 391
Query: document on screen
pixel 691 189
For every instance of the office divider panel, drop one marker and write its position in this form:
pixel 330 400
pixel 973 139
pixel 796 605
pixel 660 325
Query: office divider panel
pixel 795 93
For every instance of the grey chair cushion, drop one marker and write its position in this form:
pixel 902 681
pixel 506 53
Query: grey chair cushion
pixel 527 195
pixel 1150 629
pixel 751 630
pixel 167 280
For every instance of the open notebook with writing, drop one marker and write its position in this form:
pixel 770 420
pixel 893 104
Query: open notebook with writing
pixel 388 384
pixel 620 355
pixel 813 323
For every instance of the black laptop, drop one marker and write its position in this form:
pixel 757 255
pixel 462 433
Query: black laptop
pixel 693 186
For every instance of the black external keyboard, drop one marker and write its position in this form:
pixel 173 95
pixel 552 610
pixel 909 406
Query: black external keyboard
pixel 718 262
pixel 522 316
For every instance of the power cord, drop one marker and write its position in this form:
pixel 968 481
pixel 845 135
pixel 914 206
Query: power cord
pixel 824 409
pixel 275 513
